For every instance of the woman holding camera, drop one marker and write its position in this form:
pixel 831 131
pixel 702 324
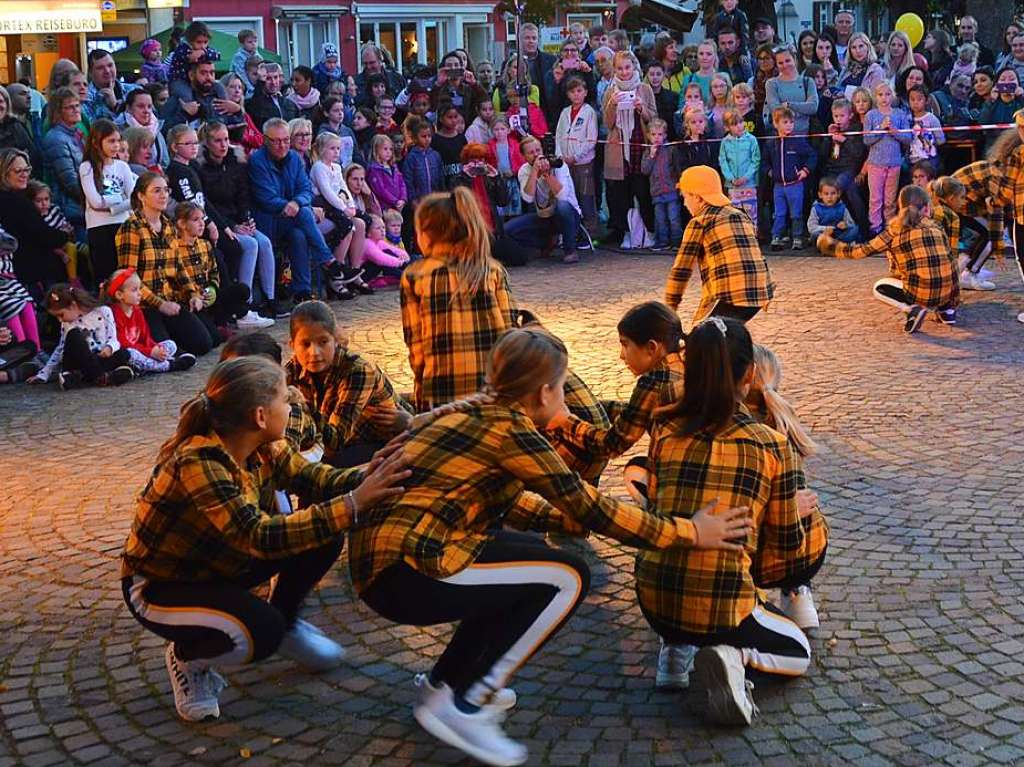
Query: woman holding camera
pixel 457 84
pixel 1004 100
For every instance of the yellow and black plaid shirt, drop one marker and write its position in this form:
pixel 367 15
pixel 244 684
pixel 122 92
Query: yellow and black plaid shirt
pixel 468 471
pixel 662 385
pixel 950 224
pixel 919 257
pixel 449 336
pixel 1010 187
pixel 301 432
pixel 722 243
pixel 982 182
pixel 707 591
pixel 772 566
pixel 339 395
pixel 199 517
pixel 587 409
pixel 156 258
pixel 201 264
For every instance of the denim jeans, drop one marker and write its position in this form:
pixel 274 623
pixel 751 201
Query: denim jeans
pixel 789 203
pixel 533 231
pixel 257 252
pixel 853 196
pixel 304 241
pixel 668 219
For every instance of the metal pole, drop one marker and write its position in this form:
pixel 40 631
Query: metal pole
pixel 521 85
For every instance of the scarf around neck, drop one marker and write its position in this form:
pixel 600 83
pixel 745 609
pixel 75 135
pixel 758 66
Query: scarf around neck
pixel 153 127
pixel 625 113
pixel 308 101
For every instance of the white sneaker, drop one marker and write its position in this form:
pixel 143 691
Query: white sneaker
pixel 986 274
pixel 252 320
pixel 310 648
pixel 798 605
pixel 1020 317
pixel 195 686
pixel 719 672
pixel 503 699
pixel 971 281
pixel 479 734
pixel 675 661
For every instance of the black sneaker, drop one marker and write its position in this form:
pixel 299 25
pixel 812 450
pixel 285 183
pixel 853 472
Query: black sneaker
pixel 70 379
pixel 183 362
pixel 362 288
pixel 278 308
pixel 351 274
pixel 946 316
pixel 117 377
pixel 915 317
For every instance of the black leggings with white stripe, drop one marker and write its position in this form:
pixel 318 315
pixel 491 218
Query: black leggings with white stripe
pixel 508 603
pixel 770 642
pixel 222 621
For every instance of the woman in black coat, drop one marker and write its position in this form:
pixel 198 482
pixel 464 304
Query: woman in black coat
pixel 14 134
pixel 37 262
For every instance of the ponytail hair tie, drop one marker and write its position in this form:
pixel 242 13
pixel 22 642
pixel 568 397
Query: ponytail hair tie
pixel 204 399
pixel 719 323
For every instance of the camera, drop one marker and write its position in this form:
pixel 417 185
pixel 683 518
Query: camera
pixel 547 146
pixel 1006 88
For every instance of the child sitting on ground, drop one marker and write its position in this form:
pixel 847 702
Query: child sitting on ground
pixel 16 308
pixel 829 212
pixel 88 352
pixel 123 293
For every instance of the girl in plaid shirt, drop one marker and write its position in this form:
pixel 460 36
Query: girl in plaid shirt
pixel 773 568
pixel 438 555
pixel 200 539
pixel 455 301
pixel 923 271
pixel 353 399
pixel 708 448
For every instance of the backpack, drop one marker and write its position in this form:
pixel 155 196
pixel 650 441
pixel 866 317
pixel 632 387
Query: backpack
pixel 638 236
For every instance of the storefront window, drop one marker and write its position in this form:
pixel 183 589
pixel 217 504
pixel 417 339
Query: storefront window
pixel 410 46
pixel 435 34
pixel 389 41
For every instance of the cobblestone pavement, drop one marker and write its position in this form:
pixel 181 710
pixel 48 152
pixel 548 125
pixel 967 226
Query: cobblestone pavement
pixel 918 661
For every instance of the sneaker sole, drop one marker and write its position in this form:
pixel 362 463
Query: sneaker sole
pixel 672 685
pixel 446 734
pixel 712 677
pixel 916 324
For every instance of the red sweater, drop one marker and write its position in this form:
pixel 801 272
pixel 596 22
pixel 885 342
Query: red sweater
pixel 133 332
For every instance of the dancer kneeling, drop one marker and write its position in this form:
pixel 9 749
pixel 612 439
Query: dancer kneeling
pixel 204 534
pixel 435 556
pixel 923 270
pixel 709 448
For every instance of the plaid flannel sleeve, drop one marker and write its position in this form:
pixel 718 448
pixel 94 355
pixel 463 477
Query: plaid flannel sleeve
pixel 218 498
pixel 531 459
pixel 130 253
pixel 629 425
pixel 686 258
pixel 342 425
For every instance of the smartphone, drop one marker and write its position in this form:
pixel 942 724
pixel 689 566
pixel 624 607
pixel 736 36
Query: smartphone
pixel 1006 88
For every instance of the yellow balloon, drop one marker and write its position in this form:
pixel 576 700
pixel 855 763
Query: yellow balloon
pixel 911 25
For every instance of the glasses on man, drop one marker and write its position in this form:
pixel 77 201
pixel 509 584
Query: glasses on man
pixel 279 141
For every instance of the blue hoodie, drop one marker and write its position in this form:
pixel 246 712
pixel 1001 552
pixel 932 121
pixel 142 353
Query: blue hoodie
pixel 788 155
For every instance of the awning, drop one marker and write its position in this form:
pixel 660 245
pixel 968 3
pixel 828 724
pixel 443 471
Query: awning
pixel 670 14
pixel 308 11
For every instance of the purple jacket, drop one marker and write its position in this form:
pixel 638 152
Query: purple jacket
pixel 423 171
pixel 387 183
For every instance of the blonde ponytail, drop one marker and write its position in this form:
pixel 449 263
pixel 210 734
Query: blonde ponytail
pixel 780 415
pixel 456 232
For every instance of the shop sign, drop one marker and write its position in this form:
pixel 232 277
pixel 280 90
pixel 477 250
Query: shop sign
pixel 40 17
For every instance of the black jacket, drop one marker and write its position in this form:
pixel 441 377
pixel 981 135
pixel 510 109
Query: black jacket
pixel 261 107
pixel 34 260
pixel 185 184
pixel 14 135
pixel 852 154
pixel 227 186
pixel 497 194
